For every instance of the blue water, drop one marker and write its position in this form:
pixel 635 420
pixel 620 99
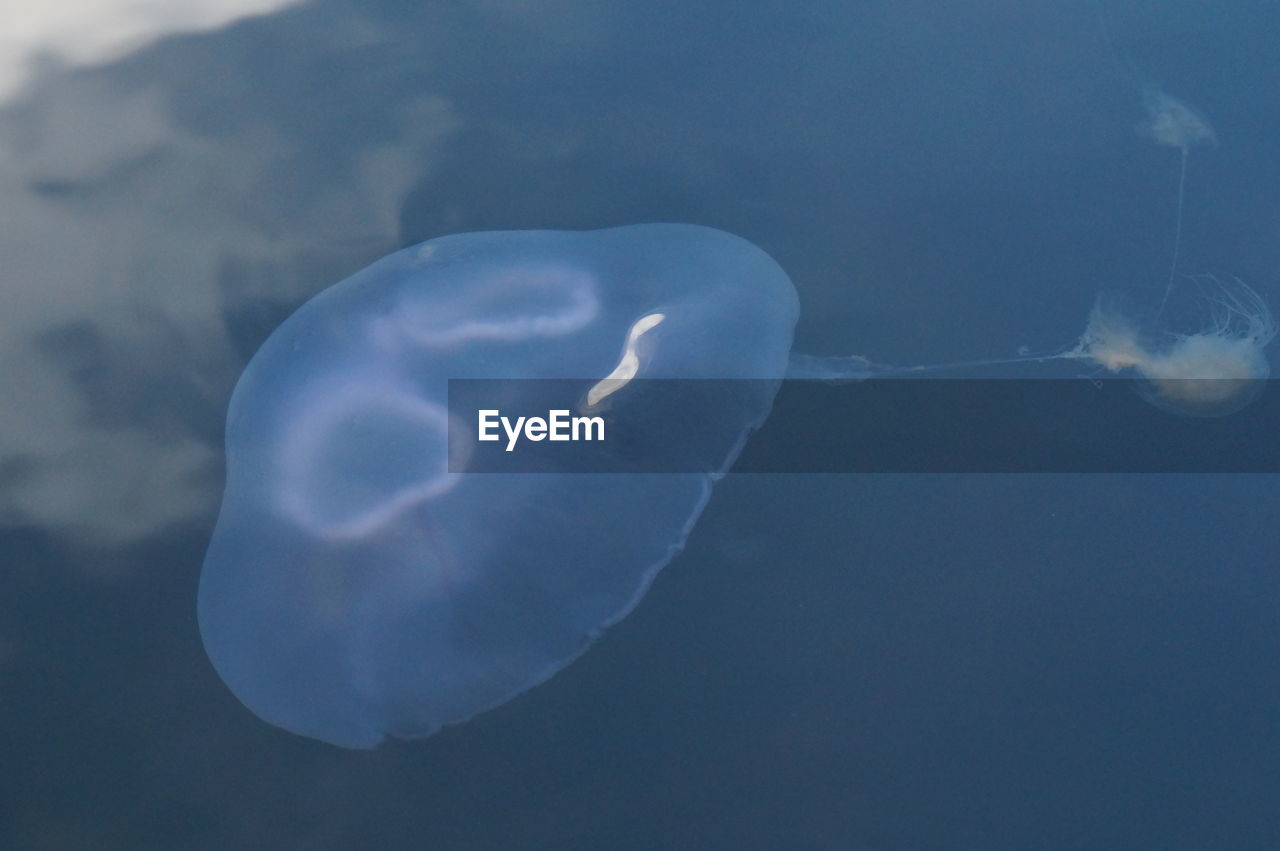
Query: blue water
pixel 916 662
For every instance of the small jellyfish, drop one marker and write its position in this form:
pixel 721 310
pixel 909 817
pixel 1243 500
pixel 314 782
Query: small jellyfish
pixel 1214 371
pixel 1175 124
pixel 1211 372
pixel 1169 122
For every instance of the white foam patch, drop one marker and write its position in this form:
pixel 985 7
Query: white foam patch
pixel 93 32
pixel 135 251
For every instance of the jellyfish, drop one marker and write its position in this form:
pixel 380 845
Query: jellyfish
pixel 1175 124
pixel 360 583
pixel 1169 122
pixel 1215 370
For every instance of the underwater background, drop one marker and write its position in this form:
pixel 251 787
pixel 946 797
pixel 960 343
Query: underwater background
pixel 834 661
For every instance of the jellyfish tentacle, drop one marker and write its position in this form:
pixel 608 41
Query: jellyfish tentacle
pixel 1177 234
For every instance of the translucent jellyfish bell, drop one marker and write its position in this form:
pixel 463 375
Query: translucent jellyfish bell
pixel 1172 122
pixel 357 585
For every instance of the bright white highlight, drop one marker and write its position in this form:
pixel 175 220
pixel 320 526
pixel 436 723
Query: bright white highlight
pixel 628 365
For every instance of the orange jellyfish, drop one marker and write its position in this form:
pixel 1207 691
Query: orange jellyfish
pixel 1214 371
pixel 1210 372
